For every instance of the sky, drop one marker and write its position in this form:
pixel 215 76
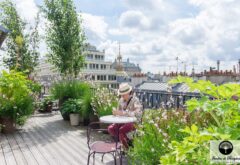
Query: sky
pixel 153 33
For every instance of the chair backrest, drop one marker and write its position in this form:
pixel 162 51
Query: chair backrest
pixel 95 133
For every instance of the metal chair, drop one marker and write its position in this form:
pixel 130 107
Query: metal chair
pixel 105 146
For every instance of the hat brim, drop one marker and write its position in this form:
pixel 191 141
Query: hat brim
pixel 123 93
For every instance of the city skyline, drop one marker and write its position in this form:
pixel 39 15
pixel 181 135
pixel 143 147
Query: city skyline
pixel 154 33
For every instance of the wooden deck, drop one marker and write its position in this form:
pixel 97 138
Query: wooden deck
pixel 47 139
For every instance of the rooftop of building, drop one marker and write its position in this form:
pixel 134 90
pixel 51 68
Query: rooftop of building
pixel 155 86
pixel 91 48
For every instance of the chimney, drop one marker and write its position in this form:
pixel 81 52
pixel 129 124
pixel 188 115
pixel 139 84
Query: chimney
pixel 218 65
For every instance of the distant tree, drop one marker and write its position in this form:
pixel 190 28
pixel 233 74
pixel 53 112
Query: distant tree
pixel 21 45
pixel 65 37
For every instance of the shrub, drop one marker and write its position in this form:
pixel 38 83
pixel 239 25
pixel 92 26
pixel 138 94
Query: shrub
pixel 74 89
pixel 46 104
pixel 16 96
pixel 218 118
pixel 103 102
pixel 157 129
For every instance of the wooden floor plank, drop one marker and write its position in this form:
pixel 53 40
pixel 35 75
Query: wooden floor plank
pixel 37 155
pixel 80 142
pixel 2 159
pixel 44 151
pixel 8 154
pixel 19 157
pixel 48 139
pixel 25 150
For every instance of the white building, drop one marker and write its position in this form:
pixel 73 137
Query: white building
pixel 96 69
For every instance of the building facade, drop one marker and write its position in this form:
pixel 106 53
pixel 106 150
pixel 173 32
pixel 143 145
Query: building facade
pixel 96 70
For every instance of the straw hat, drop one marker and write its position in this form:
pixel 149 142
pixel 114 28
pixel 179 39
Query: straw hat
pixel 124 88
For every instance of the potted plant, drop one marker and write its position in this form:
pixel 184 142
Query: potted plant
pixel 73 108
pixel 46 105
pixel 16 99
pixel 71 89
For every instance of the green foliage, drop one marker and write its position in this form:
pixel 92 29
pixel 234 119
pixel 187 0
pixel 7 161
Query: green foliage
pixel 48 101
pixel 16 96
pixel 72 106
pixel 193 149
pixel 65 36
pixel 74 89
pixel 103 102
pixel 158 129
pixel 21 46
pixel 215 116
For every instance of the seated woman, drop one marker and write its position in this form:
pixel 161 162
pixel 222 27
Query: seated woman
pixel 129 105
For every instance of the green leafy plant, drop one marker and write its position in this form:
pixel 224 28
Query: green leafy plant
pixel 214 116
pixel 157 130
pixel 16 96
pixel 194 148
pixel 103 102
pixel 72 106
pixel 46 104
pixel 74 89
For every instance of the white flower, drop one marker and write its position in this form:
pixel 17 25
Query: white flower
pixel 152 149
pixel 151 121
pixel 165 134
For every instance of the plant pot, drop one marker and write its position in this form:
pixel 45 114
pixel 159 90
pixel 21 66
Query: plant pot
pixel 49 107
pixel 86 121
pixel 74 119
pixel 8 125
pixel 81 119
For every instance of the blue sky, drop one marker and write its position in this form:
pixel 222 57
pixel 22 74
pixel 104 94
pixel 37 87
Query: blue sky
pixel 154 32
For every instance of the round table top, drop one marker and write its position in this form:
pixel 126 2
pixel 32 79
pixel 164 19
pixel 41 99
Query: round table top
pixel 117 119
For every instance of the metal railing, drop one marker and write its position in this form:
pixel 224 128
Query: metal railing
pixel 166 100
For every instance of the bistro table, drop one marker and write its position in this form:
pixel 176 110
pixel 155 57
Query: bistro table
pixel 111 119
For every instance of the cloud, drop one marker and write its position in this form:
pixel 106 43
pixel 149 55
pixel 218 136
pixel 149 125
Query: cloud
pixel 134 19
pixel 95 26
pixel 27 9
pixel 211 33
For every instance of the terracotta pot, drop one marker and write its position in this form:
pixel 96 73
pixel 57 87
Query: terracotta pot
pixel 9 125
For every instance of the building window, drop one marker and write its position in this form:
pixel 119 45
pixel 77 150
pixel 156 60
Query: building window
pixel 93 66
pixel 111 77
pixel 86 66
pixel 93 77
pixel 90 66
pixel 98 77
pixel 96 66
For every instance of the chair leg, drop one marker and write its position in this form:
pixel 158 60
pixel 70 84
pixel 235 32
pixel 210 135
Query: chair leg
pixel 89 155
pixel 115 159
pixel 94 158
pixel 102 157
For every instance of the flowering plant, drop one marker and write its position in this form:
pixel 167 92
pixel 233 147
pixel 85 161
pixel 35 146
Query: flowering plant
pixel 158 128
pixel 103 102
